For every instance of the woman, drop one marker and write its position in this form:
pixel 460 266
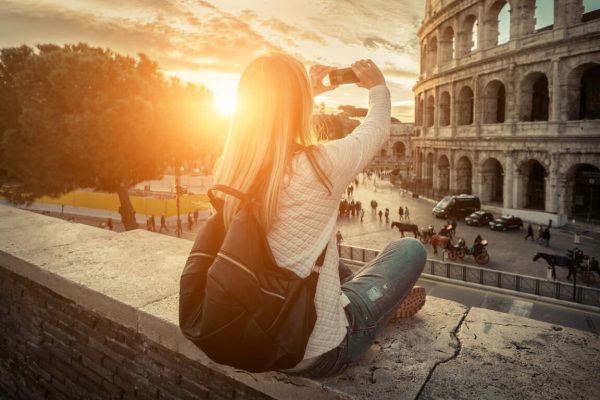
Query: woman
pixel 273 153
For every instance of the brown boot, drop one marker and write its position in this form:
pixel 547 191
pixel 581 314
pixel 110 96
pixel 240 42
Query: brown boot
pixel 411 304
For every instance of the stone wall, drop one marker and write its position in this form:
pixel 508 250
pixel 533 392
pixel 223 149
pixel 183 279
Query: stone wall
pixel 51 347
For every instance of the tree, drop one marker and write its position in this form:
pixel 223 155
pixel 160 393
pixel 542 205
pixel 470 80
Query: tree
pixel 82 117
pixel 352 111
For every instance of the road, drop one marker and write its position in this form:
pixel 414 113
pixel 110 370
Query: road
pixel 508 250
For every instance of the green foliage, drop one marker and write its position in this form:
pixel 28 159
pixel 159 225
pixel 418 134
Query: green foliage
pixel 352 111
pixel 83 117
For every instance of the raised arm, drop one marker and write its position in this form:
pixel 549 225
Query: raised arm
pixel 353 153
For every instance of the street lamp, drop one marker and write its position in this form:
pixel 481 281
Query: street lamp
pixel 178 192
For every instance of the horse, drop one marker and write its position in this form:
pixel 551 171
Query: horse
pixel 406 228
pixel 440 240
pixel 556 260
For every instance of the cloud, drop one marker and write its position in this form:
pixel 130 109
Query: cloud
pixel 228 41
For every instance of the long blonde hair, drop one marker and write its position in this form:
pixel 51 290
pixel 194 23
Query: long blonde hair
pixel 272 121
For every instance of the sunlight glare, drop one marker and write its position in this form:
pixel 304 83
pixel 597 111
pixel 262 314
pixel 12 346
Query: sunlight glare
pixel 226 103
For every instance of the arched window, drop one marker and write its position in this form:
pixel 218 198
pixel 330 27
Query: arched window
pixel 544 14
pixel 447 45
pixel 494 103
pixel 584 92
pixel 468 36
pixel 497 27
pixel 444 108
pixel 432 53
pixel 465 106
pixel 589 101
pixel 430 111
pixel 420 112
pixel 534 97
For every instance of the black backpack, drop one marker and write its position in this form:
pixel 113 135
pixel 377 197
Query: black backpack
pixel 235 303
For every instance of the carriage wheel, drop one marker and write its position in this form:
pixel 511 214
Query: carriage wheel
pixel 451 254
pixel 460 253
pixel 482 258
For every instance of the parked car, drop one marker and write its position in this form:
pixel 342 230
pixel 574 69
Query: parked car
pixel 479 218
pixel 456 206
pixel 506 222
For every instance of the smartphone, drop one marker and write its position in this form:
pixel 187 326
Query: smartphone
pixel 342 76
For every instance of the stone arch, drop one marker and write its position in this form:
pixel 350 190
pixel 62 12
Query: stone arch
pixel 534 97
pixel 497 25
pixel 399 150
pixel 494 103
pixel 444 108
pixel 443 183
pixel 433 48
pixel 584 92
pixel 543 16
pixel 420 106
pixel 465 105
pixel 464 175
pixel 430 114
pixel 469 32
pixel 447 45
pixel 492 179
pixel 583 191
pixel 429 168
pixel 534 175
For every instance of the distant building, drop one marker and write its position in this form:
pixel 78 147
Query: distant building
pixel 397 151
pixel 508 105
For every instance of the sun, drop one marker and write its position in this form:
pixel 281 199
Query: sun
pixel 225 103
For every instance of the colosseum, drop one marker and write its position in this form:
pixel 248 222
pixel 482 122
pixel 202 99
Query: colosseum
pixel 508 106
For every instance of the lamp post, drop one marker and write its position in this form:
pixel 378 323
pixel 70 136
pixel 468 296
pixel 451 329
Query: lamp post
pixel 178 191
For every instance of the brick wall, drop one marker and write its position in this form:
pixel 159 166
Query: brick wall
pixel 52 348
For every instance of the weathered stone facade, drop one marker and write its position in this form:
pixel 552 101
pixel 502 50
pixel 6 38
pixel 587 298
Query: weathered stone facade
pixel 397 151
pixel 515 121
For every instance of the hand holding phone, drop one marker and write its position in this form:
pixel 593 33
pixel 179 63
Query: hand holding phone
pixel 342 76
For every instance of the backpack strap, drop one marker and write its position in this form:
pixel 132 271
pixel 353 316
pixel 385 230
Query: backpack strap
pixel 218 203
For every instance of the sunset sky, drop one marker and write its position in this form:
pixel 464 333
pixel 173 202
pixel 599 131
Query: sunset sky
pixel 210 42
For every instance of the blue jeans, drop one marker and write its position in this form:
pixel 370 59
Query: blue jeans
pixel 375 292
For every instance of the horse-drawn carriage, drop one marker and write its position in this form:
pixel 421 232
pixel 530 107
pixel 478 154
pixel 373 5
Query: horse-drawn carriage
pixel 575 260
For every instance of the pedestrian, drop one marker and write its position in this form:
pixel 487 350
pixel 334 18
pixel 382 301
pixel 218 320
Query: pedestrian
pixel 279 139
pixel 362 215
pixel 163 224
pixel 380 215
pixel 373 207
pixel 153 223
pixel 406 214
pixel 400 213
pixel 454 224
pixel 196 216
pixel 338 240
pixel 179 228
pixel 109 223
pixel 547 236
pixel 387 215
pixel 190 221
pixel 148 224
pixel 540 237
pixel 529 232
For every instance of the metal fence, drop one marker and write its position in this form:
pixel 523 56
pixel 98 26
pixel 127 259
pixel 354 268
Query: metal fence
pixel 488 277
